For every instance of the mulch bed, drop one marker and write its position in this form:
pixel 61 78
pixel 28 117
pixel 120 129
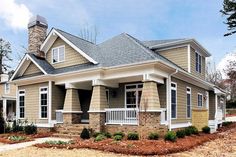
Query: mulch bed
pixel 4 137
pixel 143 146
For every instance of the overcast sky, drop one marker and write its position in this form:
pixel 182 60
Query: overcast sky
pixel 143 19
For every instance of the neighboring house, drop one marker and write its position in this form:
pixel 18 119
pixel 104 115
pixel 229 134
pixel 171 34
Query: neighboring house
pixel 119 84
pixel 7 98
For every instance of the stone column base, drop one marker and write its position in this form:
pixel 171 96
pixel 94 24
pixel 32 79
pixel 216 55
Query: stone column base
pixel 97 121
pixel 71 118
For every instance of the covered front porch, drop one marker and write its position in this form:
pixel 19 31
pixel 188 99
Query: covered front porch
pixel 130 101
pixel 8 108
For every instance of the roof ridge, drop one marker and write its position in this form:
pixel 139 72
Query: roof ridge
pixel 141 45
pixel 75 36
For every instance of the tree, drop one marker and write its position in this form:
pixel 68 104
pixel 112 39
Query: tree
pixel 213 75
pixel 229 10
pixel 231 81
pixel 5 51
pixel 89 34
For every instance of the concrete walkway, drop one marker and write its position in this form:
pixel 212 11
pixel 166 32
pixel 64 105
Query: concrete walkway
pixel 7 147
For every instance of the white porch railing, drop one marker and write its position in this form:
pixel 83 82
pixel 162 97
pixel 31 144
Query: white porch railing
pixel 59 116
pixel 122 116
pixel 219 114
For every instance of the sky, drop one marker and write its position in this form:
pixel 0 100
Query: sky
pixel 143 19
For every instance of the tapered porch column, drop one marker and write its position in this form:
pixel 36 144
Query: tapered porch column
pixel 97 108
pixel 72 109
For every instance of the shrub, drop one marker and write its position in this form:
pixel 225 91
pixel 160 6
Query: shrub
pixel 30 129
pixel 226 123
pixel 188 131
pixel 119 133
pixel 96 134
pixel 206 129
pixel 170 136
pixel 180 133
pixel 16 138
pixel 17 126
pixel 107 134
pixel 59 142
pixel 194 130
pixel 117 137
pixel 85 134
pixel 133 136
pixel 153 136
pixel 100 137
pixel 2 123
pixel 8 128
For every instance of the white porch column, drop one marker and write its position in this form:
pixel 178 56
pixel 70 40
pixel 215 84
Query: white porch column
pixel 216 105
pixel 4 108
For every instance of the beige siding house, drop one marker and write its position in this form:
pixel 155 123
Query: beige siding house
pixel 120 84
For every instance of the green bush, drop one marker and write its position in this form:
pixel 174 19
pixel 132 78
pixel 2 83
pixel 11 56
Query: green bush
pixel 206 129
pixel 85 134
pixel 226 123
pixel 117 137
pixel 119 133
pixel 17 126
pixel 16 138
pixel 194 130
pixel 30 129
pixel 2 124
pixel 96 134
pixel 170 136
pixel 180 133
pixel 188 131
pixel 100 137
pixel 59 142
pixel 153 136
pixel 107 134
pixel 133 136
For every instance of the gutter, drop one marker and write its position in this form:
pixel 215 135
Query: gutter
pixel 168 94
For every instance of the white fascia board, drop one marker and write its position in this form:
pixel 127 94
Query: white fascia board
pixel 37 65
pixel 180 125
pixel 45 47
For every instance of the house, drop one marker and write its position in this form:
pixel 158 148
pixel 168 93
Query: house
pixel 7 98
pixel 121 84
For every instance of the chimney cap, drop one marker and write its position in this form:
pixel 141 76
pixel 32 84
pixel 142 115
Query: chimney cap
pixel 37 20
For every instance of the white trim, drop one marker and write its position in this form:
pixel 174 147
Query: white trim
pixel 189 58
pixel 136 89
pixel 53 32
pixel 207 101
pixel 45 125
pixel 72 112
pixel 57 48
pixel 4 108
pixel 5 87
pixel 96 111
pixel 180 125
pixel 22 90
pixel 159 110
pixel 85 120
pixel 174 88
pixel 37 65
pixel 50 101
pixel 188 92
pixel 197 100
pixel 198 61
pixel 40 105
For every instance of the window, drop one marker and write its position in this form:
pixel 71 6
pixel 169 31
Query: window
pixel 198 62
pixel 7 88
pixel 43 102
pixel 188 102
pixel 107 96
pixel 199 100
pixel 133 95
pixel 58 54
pixel 22 104
pixel 173 100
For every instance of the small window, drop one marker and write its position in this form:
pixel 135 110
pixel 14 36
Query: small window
pixel 188 102
pixel 43 102
pixel 173 100
pixel 58 54
pixel 198 60
pixel 199 98
pixel 107 96
pixel 21 104
pixel 7 88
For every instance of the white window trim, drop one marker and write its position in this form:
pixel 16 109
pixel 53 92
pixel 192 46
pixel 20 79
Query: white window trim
pixel 136 89
pixel 196 52
pixel 7 91
pixel 22 90
pixel 174 88
pixel 197 100
pixel 188 92
pixel 40 101
pixel 58 47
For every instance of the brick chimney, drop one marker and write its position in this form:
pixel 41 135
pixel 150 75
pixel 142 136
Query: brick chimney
pixel 37 32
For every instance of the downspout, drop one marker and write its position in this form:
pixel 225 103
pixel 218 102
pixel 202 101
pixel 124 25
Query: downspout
pixel 168 95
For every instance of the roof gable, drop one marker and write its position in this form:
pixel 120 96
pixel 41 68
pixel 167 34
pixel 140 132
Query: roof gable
pixel 76 43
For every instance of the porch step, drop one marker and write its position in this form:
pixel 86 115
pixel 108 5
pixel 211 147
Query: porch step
pixel 69 130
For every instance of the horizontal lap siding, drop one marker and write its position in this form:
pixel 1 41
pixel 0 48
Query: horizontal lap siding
pixel 12 92
pixel 193 65
pixel 182 99
pixel 32 69
pixel 72 57
pixel 32 102
pixel 177 55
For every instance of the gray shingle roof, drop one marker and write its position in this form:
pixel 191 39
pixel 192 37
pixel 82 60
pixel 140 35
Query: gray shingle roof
pixel 150 43
pixel 119 50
